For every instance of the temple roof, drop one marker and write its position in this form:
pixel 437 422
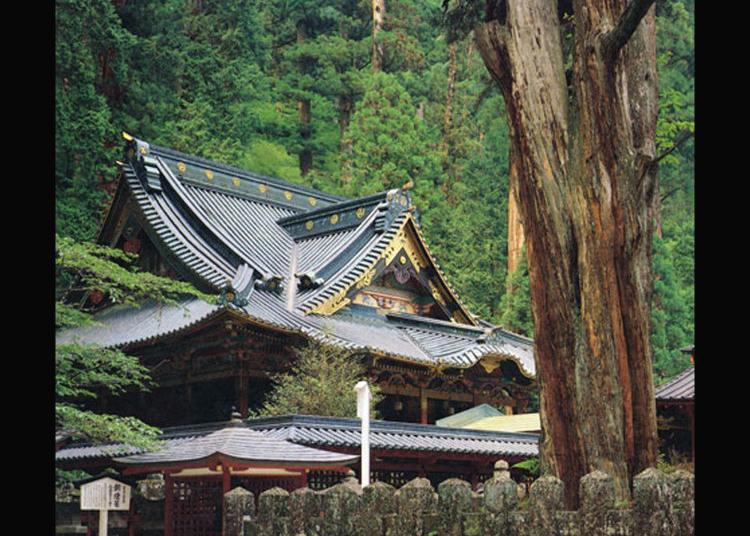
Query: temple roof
pixel 331 432
pixel 288 257
pixel 680 388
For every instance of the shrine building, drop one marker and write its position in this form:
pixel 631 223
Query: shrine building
pixel 290 264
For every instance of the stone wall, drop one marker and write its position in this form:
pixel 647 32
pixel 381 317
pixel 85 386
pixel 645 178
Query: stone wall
pixel 662 505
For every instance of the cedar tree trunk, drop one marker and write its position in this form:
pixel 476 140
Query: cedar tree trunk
pixel 583 146
pixel 378 12
pixel 304 114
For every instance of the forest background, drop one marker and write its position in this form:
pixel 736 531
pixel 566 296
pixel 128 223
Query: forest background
pixel 288 88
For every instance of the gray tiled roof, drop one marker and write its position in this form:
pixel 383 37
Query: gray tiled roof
pixel 216 223
pixel 320 432
pixel 120 324
pixel 241 444
pixel 682 387
pixel 345 433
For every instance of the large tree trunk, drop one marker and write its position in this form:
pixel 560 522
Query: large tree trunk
pixel 304 114
pixel 378 12
pixel 515 227
pixel 585 195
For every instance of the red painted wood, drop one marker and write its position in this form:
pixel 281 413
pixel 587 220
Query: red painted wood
pixel 168 505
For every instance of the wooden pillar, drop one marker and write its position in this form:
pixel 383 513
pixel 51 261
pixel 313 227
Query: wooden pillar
pixel 423 406
pixel 168 505
pixel 226 478
pixel 241 389
pixel 691 422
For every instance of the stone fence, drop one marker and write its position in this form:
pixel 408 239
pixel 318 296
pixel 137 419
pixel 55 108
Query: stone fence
pixel 662 505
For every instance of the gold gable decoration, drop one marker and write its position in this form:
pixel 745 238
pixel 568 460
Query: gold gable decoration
pixel 409 239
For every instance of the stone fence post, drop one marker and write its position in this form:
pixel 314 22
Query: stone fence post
pixel 413 500
pixel 545 500
pixel 273 512
pixel 238 503
pixel 455 500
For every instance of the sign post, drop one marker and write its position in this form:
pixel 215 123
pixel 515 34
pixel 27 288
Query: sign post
pixel 104 495
pixel 363 412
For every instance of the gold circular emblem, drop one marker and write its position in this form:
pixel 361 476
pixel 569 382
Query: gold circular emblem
pixel 402 259
pixel 288 196
pixel 263 188
pixel 235 181
pixel 312 201
pixel 209 174
pixel 360 212
pixel 181 167
pixel 309 225
pixel 143 150
pixel 403 201
pixel 334 219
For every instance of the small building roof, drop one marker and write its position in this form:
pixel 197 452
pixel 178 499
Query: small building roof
pixel 680 388
pixel 241 445
pixel 464 418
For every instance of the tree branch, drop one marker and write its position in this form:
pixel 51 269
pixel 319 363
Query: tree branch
pixel 682 139
pixel 670 193
pixel 614 40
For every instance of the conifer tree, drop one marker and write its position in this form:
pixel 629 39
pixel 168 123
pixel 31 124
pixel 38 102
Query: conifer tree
pixel 321 382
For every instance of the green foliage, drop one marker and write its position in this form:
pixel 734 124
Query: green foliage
pixel 388 146
pixel 672 320
pixel 111 271
pixel 320 382
pixel 83 371
pixel 516 302
pixel 532 466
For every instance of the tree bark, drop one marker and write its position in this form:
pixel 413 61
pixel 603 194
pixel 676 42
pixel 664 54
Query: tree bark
pixel 585 196
pixel 305 115
pixel 378 12
pixel 515 227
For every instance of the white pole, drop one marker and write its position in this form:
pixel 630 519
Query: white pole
pixel 103 515
pixel 363 412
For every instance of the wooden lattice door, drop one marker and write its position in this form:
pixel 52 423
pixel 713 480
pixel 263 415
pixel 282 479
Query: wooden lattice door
pixel 196 507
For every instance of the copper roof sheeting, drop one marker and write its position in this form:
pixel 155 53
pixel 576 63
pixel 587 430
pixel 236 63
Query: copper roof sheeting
pixel 680 388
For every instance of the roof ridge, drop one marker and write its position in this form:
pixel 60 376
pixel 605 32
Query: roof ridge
pixel 205 162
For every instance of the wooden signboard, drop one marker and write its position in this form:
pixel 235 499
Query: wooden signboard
pixel 104 495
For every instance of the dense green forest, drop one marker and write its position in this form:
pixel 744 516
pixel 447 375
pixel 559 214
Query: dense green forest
pixel 290 88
